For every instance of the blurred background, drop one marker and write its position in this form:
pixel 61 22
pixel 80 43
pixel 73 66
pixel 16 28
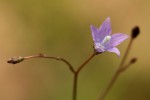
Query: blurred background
pixel 61 28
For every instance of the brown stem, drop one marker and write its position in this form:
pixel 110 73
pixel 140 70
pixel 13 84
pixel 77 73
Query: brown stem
pixel 125 67
pixel 16 60
pixel 126 53
pixel 111 83
pixel 117 73
pixel 56 58
pixel 82 65
pixel 75 81
pixel 76 73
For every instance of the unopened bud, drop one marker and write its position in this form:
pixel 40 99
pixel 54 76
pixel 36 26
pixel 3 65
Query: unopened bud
pixel 133 60
pixel 15 60
pixel 135 32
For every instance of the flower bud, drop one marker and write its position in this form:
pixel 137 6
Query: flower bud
pixel 15 60
pixel 135 32
pixel 133 60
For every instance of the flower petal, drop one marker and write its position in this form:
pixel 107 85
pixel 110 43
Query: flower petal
pixel 105 29
pixel 115 40
pixel 94 31
pixel 115 50
pixel 118 38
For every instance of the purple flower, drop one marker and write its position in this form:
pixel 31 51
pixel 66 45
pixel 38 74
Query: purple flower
pixel 104 41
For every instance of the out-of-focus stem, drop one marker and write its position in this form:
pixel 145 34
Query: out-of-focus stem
pixel 117 73
pixel 126 54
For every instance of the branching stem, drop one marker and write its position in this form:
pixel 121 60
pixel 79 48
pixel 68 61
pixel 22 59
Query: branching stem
pixel 16 60
pixel 117 73
pixel 76 73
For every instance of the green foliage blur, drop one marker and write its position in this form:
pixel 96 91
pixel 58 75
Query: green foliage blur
pixel 61 28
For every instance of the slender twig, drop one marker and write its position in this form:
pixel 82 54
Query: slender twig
pixel 117 73
pixel 75 80
pixel 126 53
pixel 17 60
pixel 135 32
pixel 56 58
pixel 84 63
pixel 76 73
pixel 125 67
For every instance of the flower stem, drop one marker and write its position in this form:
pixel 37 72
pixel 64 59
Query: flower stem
pixel 126 54
pixel 15 60
pixel 76 73
pixel 84 63
pixel 75 81
pixel 117 73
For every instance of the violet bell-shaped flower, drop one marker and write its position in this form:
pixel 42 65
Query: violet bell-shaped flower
pixel 104 41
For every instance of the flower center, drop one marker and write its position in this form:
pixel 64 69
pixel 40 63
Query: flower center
pixel 99 46
pixel 102 45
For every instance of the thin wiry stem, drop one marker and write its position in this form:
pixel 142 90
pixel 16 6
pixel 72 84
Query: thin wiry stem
pixel 75 81
pixel 126 54
pixel 76 73
pixel 125 67
pixel 17 60
pixel 84 63
pixel 117 73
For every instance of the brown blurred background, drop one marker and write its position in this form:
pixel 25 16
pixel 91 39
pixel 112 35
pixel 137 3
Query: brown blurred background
pixel 61 28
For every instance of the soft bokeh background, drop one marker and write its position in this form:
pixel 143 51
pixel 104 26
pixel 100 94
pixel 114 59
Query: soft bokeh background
pixel 61 28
